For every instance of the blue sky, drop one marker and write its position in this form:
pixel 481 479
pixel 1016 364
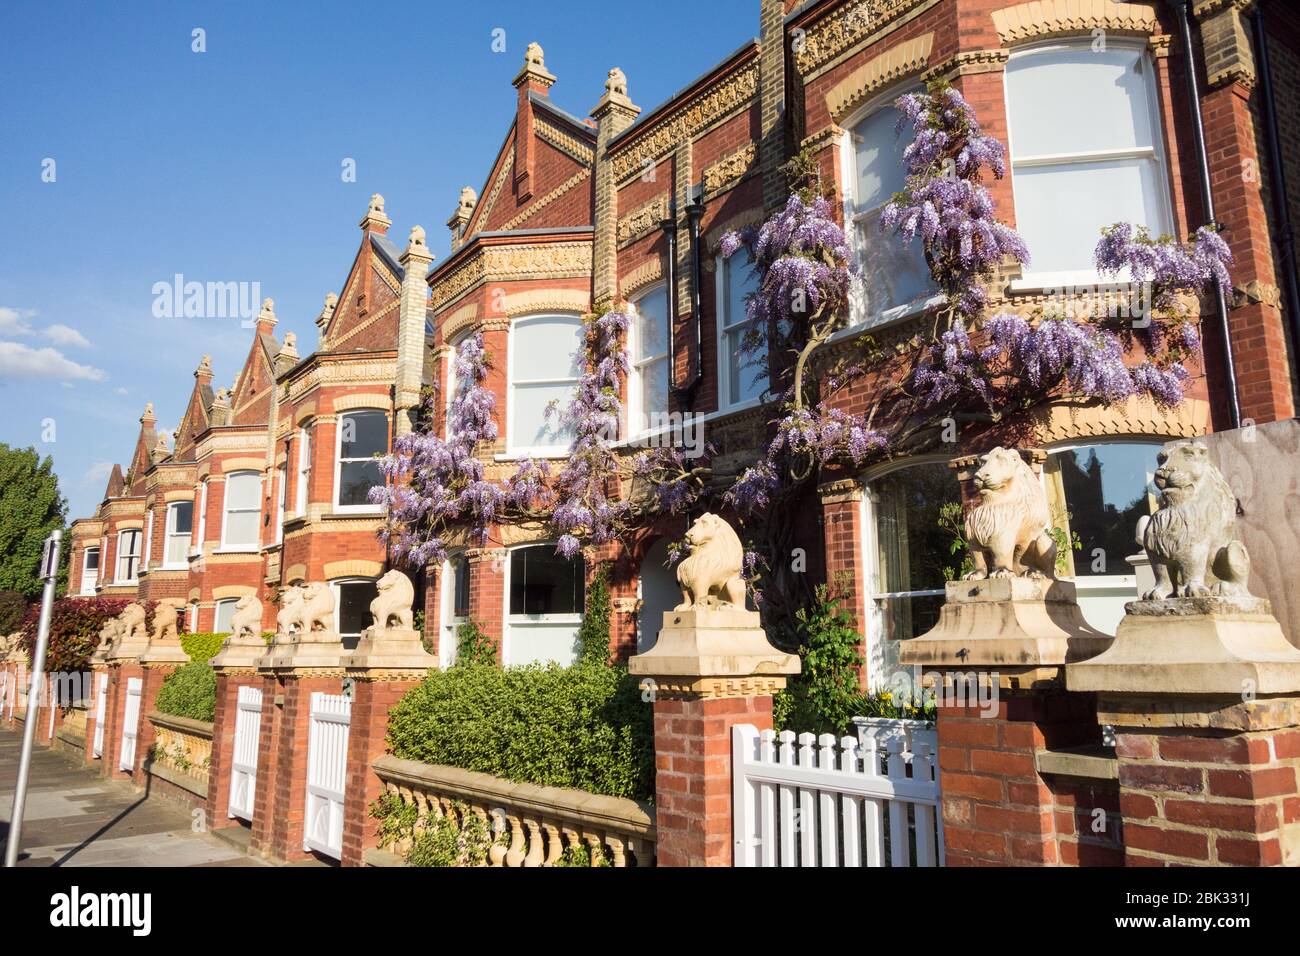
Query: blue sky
pixel 226 166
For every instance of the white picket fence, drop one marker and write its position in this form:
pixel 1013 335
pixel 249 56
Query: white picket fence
pixel 815 801
pixel 8 693
pixel 101 710
pixel 130 723
pixel 243 760
pixel 327 773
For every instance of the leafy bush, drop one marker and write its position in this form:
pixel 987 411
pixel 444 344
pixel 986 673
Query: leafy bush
pixel 593 635
pixel 202 645
pixel 584 726
pixel 13 608
pixel 75 624
pixel 473 647
pixel 824 697
pixel 189 691
pixel 440 843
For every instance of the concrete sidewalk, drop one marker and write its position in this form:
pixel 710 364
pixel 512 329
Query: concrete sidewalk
pixel 76 818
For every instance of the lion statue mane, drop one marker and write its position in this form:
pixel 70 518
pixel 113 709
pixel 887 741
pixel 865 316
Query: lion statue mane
pixel 132 621
pixel 164 624
pixel 317 609
pixel 710 575
pixel 246 622
pixel 393 602
pixel 1007 531
pixel 1192 534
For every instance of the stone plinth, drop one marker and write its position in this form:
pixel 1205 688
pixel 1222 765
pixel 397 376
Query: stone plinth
pixel 397 649
pixel 299 651
pixel 709 670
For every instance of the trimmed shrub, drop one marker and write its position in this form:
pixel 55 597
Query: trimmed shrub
pixel 13 608
pixel 593 635
pixel 189 691
pixel 202 645
pixel 584 727
pixel 75 624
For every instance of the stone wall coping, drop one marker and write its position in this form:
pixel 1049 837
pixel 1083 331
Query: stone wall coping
pixel 1091 762
pixel 184 725
pixel 596 810
pixel 197 787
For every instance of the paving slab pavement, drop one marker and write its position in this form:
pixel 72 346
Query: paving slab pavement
pixel 76 818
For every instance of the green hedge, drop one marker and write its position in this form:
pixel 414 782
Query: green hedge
pixel 585 726
pixel 189 691
pixel 202 646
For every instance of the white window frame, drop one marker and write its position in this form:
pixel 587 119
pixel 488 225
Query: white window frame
pixel 859 317
pixel 170 532
pixel 336 590
pixel 148 540
pixel 634 366
pixel 225 513
pixel 722 312
pixel 194 617
pixel 117 558
pixel 449 623
pixel 196 542
pixel 514 450
pixel 85 560
pixel 338 462
pixel 216 612
pixel 282 476
pixel 302 481
pixel 1088 276
pixel 449 384
pixel 512 621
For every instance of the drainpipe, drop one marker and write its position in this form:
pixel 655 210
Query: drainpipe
pixel 1281 207
pixel 694 213
pixel 1181 10
pixel 669 226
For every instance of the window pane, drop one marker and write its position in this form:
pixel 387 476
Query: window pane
pixel 543 582
pixel 354 606
pixel 879 158
pixel 241 528
pixel 92 559
pixel 912 552
pixel 242 490
pixel 1105 494
pixel 529 427
pixel 650 325
pixel 747 372
pixel 544 348
pixel 356 478
pixel 653 385
pixel 363 434
pixel 1102 92
pixel 182 517
pixel 893 274
pixel 225 611
pixel 131 544
pixel 178 546
pixel 460 587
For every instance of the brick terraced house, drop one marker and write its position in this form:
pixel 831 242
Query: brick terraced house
pixel 266 483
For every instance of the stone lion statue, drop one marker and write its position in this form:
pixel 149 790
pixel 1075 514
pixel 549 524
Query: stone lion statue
pixel 317 609
pixel 710 575
pixel 290 608
pixel 1192 535
pixel 393 603
pixel 108 635
pixel 246 622
pixel 1007 531
pixel 132 622
pixel 164 624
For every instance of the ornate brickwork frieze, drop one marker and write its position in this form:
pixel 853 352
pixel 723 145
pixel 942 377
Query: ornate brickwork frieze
pixel 549 198
pixel 969 62
pixel 565 142
pixel 368 371
pixel 1046 18
pixel 552 260
pixel 731 93
pixel 644 219
pixel 828 39
pixel 730 169
pixel 642 276
pixel 871 77
pixel 485 208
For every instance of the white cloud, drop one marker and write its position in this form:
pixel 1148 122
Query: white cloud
pixel 18 361
pixel 121 390
pixel 61 334
pixel 12 321
pixel 97 473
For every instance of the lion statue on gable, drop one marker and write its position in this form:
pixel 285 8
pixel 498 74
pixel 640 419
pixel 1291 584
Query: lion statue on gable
pixel 1007 532
pixel 1192 535
pixel 246 622
pixel 393 602
pixel 710 575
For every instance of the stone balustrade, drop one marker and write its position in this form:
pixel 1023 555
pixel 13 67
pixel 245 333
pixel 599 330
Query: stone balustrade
pixel 533 825
pixel 182 751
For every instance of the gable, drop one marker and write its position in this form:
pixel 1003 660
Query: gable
pixel 366 313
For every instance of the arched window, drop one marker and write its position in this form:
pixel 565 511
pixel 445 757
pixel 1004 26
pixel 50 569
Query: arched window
pixel 362 437
pixel 243 505
pixel 544 602
pixel 895 277
pixel 1103 165
pixel 545 365
pixel 647 344
pixel 180 522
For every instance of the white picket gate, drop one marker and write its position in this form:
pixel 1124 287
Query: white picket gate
pixel 813 801
pixel 130 723
pixel 101 709
pixel 327 772
pixel 243 760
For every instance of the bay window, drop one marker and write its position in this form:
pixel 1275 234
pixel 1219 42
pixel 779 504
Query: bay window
pixel 362 435
pixel 647 380
pixel 895 277
pixel 545 365
pixel 243 503
pixel 1084 134
pixel 89 570
pixel 128 556
pixel 545 594
pixel 180 522
pixel 742 375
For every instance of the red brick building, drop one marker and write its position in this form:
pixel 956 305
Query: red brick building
pixel 626 208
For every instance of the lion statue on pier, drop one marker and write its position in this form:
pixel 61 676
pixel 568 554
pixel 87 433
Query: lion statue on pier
pixel 1192 535
pixel 710 575
pixel 290 608
pixel 316 612
pixel 1007 532
pixel 132 622
pixel 393 603
pixel 164 624
pixel 246 622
